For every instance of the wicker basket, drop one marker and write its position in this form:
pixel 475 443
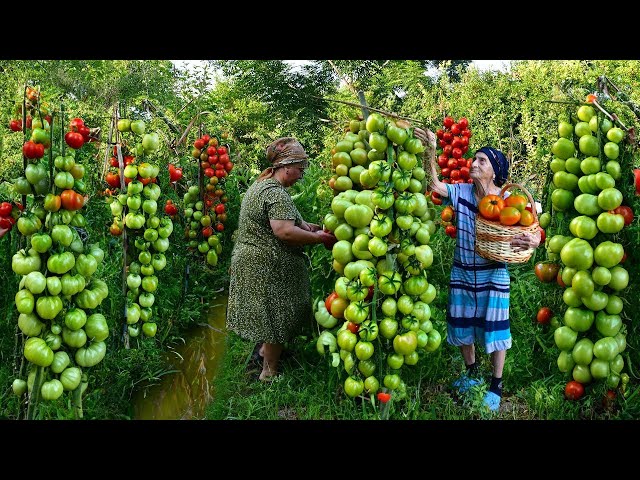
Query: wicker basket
pixel 493 239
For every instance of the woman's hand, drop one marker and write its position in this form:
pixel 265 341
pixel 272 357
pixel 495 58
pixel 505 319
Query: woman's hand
pixel 328 239
pixel 428 138
pixel 313 227
pixel 524 241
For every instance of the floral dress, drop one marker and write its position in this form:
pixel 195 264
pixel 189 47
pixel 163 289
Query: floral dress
pixel 269 290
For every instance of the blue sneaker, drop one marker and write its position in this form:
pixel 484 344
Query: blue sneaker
pixel 492 401
pixel 464 383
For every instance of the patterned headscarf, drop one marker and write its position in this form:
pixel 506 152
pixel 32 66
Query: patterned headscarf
pixel 499 162
pixel 282 152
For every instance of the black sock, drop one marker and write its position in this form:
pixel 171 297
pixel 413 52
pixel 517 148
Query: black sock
pixel 472 370
pixel 496 386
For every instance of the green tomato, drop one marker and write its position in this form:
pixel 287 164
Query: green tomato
pixel 605 349
pixel 19 386
pixel 48 307
pixel 391 381
pixel 75 319
pixel 41 242
pixel 60 361
pixel 395 360
pixel 578 319
pixel 582 352
pixel 353 386
pixel 599 369
pixel 91 355
pixel 149 329
pixel 347 340
pixel 71 378
pixel 578 254
pixel 51 390
pixel 608 325
pixel 435 339
pixel 74 338
pixel 364 350
pixel 38 352
pixel 406 343
pixel 565 361
pixel 371 384
pixel 388 328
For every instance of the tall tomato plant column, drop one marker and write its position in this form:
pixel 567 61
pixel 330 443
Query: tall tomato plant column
pixel 586 170
pixel 377 322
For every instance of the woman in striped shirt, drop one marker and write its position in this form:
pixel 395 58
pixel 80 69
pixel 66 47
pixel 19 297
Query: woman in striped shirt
pixel 478 305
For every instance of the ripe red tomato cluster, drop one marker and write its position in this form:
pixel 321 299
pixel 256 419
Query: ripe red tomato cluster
pixel 447 216
pixel 214 158
pixel 78 133
pixel 175 173
pixel 9 212
pixel 454 142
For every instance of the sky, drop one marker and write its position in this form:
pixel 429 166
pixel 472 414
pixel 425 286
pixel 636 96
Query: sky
pixel 482 65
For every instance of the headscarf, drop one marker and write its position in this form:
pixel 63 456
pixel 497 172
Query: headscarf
pixel 281 152
pixel 499 162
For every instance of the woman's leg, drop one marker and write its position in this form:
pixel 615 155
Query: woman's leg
pixel 271 357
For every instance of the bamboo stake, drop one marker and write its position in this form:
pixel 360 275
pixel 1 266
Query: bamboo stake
pixel 384 112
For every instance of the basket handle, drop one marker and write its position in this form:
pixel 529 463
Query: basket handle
pixel 534 210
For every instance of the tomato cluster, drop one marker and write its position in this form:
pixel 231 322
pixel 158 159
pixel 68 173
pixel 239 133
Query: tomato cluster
pixel 214 158
pixel 453 141
pixel 58 294
pixel 447 220
pixel 512 210
pixel 135 208
pixel 9 213
pixel 205 209
pixel 377 321
pixel 585 169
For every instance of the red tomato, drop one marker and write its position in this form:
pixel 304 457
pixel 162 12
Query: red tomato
pixel 353 327
pixel 205 138
pixel 75 140
pixel 457 153
pixel 15 125
pixel 463 122
pixel 435 198
pixel 209 172
pixel 447 150
pixel 455 129
pixel 5 209
pixel 384 397
pixel 219 208
pixel 544 315
pixel 222 150
pixel 574 390
pixel 439 133
pixel 450 230
pixel 219 227
pixel 452 163
pixel 559 280
pixel 546 272
pixel 455 174
pixel 228 166
pixel 170 208
pixel 626 212
pixel 199 144
pixel 448 121
pixel 509 216
pixel 543 236
pixel 442 160
pixel 207 231
pixel 447 137
pixel 71 200
pixel 446 171
pixel 447 213
pixel 75 124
